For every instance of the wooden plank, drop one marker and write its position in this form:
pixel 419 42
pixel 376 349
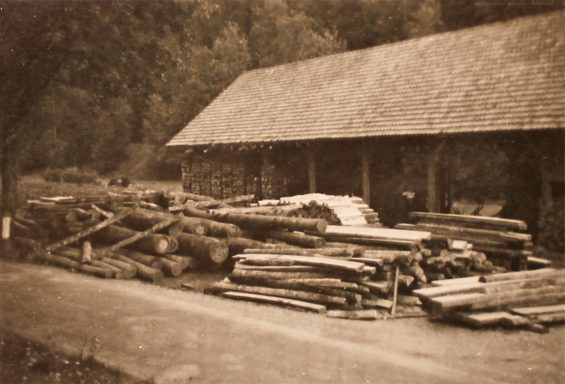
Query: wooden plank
pixel 395 292
pixel 365 314
pixel 517 225
pixel 547 295
pixel 311 161
pixel 460 280
pixel 539 310
pixel 295 304
pixel 466 233
pixel 89 230
pixel 376 233
pixel 157 227
pixel 286 293
pixel 366 172
pixel 493 287
pixel 349 266
pixel 537 273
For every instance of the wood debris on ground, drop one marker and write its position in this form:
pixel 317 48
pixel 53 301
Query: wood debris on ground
pixel 361 272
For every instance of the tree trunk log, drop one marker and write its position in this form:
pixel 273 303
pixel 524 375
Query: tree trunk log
pixel 297 239
pixel 144 272
pixel 148 260
pixel 152 243
pixel 141 221
pixel 203 247
pixel 286 293
pixel 264 222
pixel 327 262
pixel 290 303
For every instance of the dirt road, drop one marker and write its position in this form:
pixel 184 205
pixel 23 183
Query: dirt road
pixel 151 332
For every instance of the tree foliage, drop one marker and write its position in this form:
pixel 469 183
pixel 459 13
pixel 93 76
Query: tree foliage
pixel 81 81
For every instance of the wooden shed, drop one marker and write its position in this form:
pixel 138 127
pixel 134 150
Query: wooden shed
pixel 471 115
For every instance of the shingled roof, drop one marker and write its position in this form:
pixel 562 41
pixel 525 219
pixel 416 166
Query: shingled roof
pixel 498 77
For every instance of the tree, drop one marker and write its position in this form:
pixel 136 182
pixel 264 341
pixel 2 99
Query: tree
pixel 426 20
pixel 281 35
pixel 33 38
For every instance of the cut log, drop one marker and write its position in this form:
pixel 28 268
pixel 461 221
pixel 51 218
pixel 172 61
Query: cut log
pixel 286 293
pixel 62 261
pixel 143 236
pixel 184 261
pixel 144 272
pixel 143 220
pixel 102 212
pixel 366 314
pixel 238 245
pixel 128 270
pixel 257 274
pixel 189 224
pixel 290 303
pixel 89 231
pixel 352 298
pixel 264 222
pixel 482 221
pixel 77 214
pixel 205 248
pixel 297 238
pixel 327 262
pixel 229 201
pixel 118 273
pixel 148 260
pixel 152 243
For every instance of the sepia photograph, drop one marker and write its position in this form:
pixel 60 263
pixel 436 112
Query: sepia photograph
pixel 282 191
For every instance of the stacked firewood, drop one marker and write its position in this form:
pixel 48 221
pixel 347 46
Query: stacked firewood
pixel 502 240
pixel 528 299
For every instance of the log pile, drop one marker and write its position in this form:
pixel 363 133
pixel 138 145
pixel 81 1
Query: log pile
pixel 528 299
pixel 502 240
pixel 352 272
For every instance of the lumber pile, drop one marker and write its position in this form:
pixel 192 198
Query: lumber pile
pixel 525 299
pixel 349 210
pixel 502 240
pixel 357 272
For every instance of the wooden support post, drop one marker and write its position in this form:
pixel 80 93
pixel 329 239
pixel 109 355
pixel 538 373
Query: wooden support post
pixel 311 160
pixel 433 200
pixel 366 173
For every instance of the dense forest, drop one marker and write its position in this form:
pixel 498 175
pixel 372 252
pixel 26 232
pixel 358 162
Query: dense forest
pixel 100 84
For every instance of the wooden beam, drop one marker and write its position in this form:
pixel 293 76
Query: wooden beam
pixel 89 230
pixel 139 235
pixel 311 160
pixel 366 173
pixel 433 200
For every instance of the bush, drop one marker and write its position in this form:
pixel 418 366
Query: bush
pixel 70 175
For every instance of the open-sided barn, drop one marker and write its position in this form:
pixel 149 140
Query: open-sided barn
pixel 472 115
